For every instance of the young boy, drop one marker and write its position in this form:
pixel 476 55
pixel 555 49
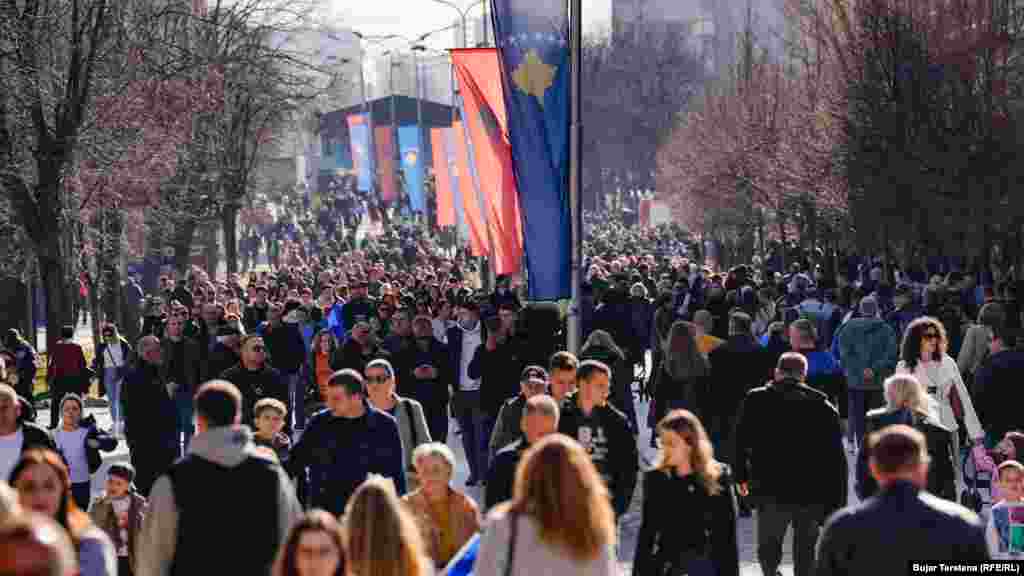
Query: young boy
pixel 119 513
pixel 269 415
pixel 1005 531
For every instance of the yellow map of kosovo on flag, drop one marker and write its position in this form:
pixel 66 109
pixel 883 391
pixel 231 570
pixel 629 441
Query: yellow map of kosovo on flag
pixel 533 76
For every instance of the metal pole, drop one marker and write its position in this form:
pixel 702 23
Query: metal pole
pixel 419 108
pixel 574 337
pixel 394 124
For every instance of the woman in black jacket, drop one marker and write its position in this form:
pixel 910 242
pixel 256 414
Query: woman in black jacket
pixel 682 380
pixel 689 509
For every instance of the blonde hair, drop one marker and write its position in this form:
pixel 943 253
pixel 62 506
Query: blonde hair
pixel 702 453
pixel 382 537
pixel 906 391
pixel 558 486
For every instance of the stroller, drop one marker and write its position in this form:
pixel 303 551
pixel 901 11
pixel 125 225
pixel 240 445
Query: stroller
pixel 978 477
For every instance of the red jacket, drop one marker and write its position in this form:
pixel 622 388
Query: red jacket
pixel 66 359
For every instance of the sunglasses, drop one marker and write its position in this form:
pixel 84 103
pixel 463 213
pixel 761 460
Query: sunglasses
pixel 930 336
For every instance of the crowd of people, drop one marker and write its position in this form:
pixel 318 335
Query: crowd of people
pixel 305 411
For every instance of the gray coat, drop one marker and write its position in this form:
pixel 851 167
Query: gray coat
pixel 412 427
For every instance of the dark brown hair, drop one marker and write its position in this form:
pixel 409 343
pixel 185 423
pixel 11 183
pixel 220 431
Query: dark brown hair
pixel 894 449
pixel 69 515
pixel 910 350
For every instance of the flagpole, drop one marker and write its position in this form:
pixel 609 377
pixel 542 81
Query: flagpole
pixel 574 336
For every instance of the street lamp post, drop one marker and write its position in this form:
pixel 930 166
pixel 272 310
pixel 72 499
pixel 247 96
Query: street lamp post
pixel 462 15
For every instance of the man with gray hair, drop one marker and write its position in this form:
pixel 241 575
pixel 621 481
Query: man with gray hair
pixel 16 435
pixel 539 419
pixel 781 425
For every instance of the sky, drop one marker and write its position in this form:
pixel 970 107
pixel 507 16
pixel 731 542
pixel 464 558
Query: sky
pixel 412 18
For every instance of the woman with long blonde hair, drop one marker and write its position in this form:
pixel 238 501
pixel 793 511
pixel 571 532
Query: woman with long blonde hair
pixel 907 402
pixel 687 483
pixel 382 537
pixel 559 521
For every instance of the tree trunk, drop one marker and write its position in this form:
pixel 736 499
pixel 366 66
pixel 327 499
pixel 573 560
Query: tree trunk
pixel 51 268
pixel 229 220
pixel 183 247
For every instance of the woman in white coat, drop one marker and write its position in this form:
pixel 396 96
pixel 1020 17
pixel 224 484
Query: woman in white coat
pixel 923 354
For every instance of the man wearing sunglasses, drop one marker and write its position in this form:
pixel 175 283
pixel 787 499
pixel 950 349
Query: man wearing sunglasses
pixel 254 377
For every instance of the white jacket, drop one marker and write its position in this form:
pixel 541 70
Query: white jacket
pixel 938 379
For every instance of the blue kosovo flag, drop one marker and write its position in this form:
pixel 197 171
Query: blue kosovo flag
pixel 533 42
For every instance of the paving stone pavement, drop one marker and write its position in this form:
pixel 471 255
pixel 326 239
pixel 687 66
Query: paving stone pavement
pixel 629 524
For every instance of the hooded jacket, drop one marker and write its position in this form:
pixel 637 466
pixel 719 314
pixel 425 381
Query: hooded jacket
pixel 224 452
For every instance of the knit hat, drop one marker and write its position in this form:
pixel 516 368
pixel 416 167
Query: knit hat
pixel 122 470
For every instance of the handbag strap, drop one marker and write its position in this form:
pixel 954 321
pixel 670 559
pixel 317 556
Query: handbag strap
pixel 513 518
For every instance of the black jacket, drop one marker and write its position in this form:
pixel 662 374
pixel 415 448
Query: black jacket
pixel 709 532
pixel 151 416
pixel 432 393
pixel 255 385
pixel 612 447
pixel 287 347
pixel 501 477
pixel 941 470
pixel 737 366
pixel 998 394
pixel 885 534
pixel 789 447
pixel 352 355
pixel 498 371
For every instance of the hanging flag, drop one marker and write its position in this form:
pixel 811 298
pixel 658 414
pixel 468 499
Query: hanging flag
pixel 359 143
pixel 451 147
pixel 533 40
pixel 442 178
pixel 464 560
pixel 479 79
pixel 383 141
pixel 470 206
pixel 409 146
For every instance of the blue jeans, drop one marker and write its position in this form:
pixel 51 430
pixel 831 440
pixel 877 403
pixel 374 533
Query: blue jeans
pixel 114 385
pixel 474 440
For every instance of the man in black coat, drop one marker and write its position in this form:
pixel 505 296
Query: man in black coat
pixel 254 378
pixel 997 392
pixel 903 524
pixel 790 460
pixel 427 376
pixel 151 416
pixel 737 366
pixel 540 418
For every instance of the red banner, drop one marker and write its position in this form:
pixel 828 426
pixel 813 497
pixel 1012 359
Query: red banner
pixel 385 145
pixel 442 179
pixel 477 233
pixel 479 76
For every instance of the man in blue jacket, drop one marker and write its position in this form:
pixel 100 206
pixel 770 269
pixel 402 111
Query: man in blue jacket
pixel 345 443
